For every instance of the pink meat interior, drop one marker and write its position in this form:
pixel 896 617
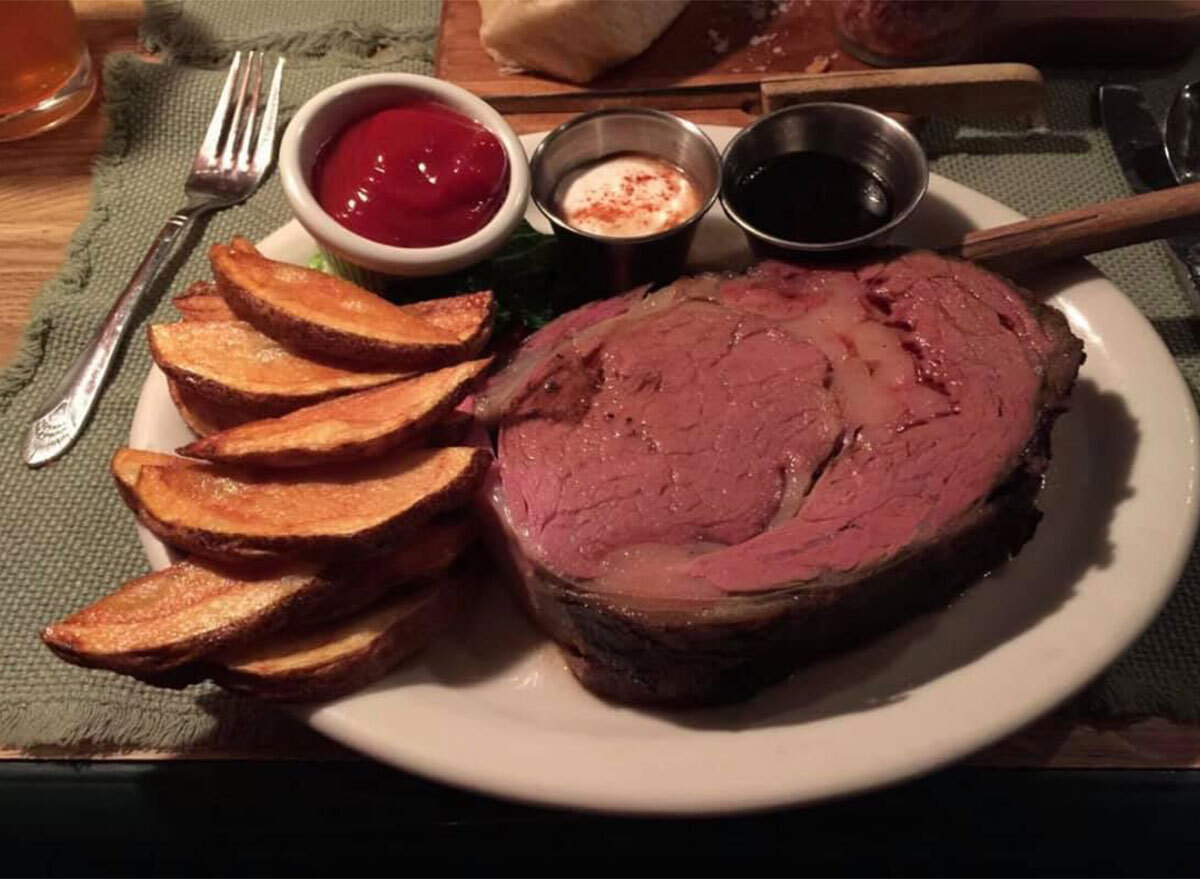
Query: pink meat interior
pixel 737 435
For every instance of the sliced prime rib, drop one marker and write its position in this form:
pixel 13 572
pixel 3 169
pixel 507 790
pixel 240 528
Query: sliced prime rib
pixel 699 489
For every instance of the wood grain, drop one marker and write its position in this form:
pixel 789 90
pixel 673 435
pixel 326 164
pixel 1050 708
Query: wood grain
pixel 45 182
pixel 1008 90
pixel 710 42
pixel 44 193
pixel 956 90
pixel 732 41
pixel 1095 228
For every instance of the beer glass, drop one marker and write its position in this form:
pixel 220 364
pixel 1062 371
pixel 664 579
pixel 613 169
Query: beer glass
pixel 46 73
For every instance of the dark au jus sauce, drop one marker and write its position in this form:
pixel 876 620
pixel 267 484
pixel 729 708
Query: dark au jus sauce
pixel 812 197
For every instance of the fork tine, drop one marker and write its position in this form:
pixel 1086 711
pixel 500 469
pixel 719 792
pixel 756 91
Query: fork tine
pixel 257 61
pixel 265 147
pixel 212 138
pixel 235 124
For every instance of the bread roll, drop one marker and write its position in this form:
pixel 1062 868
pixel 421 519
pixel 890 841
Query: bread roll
pixel 572 39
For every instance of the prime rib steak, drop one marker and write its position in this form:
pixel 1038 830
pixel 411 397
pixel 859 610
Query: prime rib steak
pixel 699 489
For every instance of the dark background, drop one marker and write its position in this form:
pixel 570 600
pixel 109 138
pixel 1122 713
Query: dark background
pixel 352 818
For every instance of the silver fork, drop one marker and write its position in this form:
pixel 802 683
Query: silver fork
pixel 231 162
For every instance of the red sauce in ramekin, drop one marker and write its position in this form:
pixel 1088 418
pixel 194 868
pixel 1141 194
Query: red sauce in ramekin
pixel 415 175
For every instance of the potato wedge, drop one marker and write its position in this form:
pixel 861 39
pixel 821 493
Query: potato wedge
pixel 432 549
pixel 230 513
pixel 349 428
pixel 468 317
pixel 329 662
pixel 204 417
pixel 171 617
pixel 126 464
pixel 244 245
pixel 453 430
pixel 202 301
pixel 231 363
pixel 328 317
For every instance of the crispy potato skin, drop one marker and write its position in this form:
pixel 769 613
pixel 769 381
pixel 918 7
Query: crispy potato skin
pixel 86 639
pixel 126 464
pixel 326 664
pixel 469 317
pixel 298 584
pixel 163 620
pixel 453 430
pixel 126 468
pixel 240 244
pixel 190 511
pixel 203 417
pixel 292 304
pixel 348 428
pixel 202 301
pixel 433 550
pixel 226 383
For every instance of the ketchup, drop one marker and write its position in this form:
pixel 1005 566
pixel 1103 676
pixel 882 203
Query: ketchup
pixel 415 175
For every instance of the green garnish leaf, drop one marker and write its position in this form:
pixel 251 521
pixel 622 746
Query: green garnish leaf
pixel 526 276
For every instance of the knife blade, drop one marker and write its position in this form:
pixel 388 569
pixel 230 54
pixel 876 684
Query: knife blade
pixel 1137 141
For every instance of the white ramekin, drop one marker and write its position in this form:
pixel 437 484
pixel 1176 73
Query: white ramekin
pixel 362 260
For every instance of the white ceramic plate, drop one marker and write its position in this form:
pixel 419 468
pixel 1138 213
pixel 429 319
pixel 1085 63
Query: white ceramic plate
pixel 494 708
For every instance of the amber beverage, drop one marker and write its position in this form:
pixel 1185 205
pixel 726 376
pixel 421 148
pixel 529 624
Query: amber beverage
pixel 45 71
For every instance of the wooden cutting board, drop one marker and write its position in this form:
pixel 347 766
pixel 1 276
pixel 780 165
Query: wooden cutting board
pixel 718 41
pixel 712 41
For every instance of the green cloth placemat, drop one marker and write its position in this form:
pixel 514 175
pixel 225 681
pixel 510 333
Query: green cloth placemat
pixel 69 539
pixel 1072 165
pixel 206 31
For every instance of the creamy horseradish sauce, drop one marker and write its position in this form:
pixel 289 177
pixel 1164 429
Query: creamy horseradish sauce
pixel 626 195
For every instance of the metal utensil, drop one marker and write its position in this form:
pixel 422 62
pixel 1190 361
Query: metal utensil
pixel 1143 154
pixel 1135 137
pixel 233 159
pixel 1181 134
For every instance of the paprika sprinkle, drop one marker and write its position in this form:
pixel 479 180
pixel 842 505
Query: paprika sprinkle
pixel 627 195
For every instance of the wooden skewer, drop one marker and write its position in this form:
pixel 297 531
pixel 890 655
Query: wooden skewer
pixel 1018 246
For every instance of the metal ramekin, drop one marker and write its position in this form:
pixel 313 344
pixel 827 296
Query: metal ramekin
pixel 877 142
pixel 608 264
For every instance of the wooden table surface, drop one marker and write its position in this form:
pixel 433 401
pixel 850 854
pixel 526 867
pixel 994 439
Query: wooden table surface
pixel 44 193
pixel 45 182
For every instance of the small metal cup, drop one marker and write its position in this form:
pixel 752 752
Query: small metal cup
pixel 607 264
pixel 876 142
